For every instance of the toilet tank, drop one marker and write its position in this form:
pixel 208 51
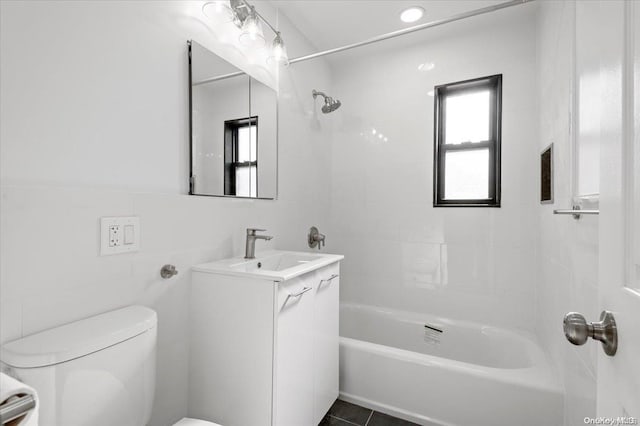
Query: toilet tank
pixel 99 371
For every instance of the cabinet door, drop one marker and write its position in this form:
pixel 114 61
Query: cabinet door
pixel 294 352
pixel 326 340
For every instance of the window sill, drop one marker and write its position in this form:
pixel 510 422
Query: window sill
pixel 466 205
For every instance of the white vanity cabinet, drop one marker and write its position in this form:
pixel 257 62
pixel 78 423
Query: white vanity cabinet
pixel 264 352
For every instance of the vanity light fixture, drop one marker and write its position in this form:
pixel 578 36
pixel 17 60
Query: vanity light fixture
pixel 278 51
pixel 252 35
pixel 411 14
pixel 218 9
pixel 249 21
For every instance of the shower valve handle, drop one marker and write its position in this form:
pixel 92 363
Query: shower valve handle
pixel 315 238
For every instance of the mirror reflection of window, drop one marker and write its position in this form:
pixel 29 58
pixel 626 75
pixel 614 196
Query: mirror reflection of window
pixel 241 157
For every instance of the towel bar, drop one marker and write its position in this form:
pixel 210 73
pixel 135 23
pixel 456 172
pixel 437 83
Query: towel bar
pixel 13 409
pixel 576 212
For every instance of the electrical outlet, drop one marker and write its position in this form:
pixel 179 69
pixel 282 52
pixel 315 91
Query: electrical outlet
pixel 119 235
pixel 114 239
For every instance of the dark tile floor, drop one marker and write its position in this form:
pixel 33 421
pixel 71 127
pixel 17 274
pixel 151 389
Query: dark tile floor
pixel 343 413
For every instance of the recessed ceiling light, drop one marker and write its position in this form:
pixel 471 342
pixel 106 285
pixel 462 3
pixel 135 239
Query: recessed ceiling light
pixel 427 66
pixel 412 14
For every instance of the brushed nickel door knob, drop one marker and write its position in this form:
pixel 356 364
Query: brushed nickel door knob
pixel 577 330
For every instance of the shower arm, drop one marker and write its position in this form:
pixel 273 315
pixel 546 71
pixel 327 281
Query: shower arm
pixel 315 93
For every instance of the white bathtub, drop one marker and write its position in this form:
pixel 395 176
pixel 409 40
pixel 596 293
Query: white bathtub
pixel 467 375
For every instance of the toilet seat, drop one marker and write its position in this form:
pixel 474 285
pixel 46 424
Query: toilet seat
pixel 186 421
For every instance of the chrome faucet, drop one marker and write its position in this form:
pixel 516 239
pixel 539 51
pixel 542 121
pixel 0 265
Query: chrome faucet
pixel 250 248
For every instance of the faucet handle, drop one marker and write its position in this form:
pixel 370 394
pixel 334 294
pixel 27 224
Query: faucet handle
pixel 252 231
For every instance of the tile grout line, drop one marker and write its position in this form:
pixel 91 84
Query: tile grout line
pixel 346 421
pixel 370 415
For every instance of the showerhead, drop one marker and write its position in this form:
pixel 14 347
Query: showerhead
pixel 330 104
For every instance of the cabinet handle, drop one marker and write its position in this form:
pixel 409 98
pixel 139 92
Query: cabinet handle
pixel 298 294
pixel 328 280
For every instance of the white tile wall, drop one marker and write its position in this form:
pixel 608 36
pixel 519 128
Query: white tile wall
pixel 568 249
pixel 94 123
pixel 94 119
pixel 472 263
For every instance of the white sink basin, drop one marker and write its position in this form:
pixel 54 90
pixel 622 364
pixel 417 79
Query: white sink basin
pixel 276 262
pixel 274 265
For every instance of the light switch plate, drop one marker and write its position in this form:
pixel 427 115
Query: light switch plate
pixel 119 235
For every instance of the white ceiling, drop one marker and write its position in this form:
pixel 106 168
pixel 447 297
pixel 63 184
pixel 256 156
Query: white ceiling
pixel 333 23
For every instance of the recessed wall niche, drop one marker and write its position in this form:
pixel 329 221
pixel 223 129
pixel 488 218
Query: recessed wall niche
pixel 546 175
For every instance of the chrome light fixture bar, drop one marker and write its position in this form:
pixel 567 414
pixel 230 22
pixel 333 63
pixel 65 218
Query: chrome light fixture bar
pixel 249 20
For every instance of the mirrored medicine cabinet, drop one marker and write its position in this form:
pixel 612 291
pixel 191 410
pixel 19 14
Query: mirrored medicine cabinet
pixel 233 130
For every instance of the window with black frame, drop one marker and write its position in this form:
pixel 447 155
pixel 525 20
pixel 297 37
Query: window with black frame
pixel 467 130
pixel 241 157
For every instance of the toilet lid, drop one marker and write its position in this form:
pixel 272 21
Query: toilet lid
pixel 194 422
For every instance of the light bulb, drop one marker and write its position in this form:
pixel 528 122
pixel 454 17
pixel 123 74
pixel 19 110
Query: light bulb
pixel 219 10
pixel 251 35
pixel 278 53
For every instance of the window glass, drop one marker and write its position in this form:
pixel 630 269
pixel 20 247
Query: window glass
pixel 242 182
pixel 254 143
pixel 467 117
pixel 244 146
pixel 467 175
pixel 253 181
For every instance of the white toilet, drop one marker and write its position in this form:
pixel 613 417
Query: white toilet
pixel 99 371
